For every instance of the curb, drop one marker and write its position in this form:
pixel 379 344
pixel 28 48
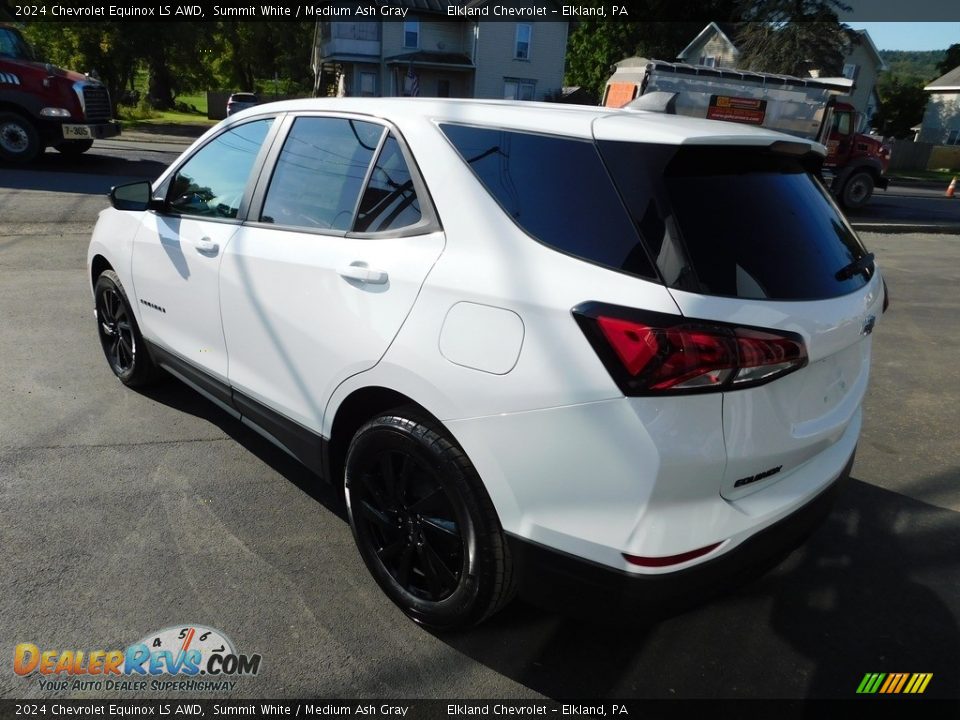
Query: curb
pixel 904 228
pixel 156 139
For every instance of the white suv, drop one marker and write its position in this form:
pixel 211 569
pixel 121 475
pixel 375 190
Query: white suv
pixel 566 350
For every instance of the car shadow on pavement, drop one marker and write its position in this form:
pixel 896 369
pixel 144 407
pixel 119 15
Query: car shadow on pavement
pixel 180 397
pixel 89 174
pixel 875 589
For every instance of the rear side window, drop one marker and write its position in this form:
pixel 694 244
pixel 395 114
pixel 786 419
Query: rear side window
pixel 319 173
pixel 557 190
pixel 737 222
pixel 389 201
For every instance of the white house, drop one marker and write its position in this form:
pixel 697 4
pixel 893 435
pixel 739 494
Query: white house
pixel 432 53
pixel 941 119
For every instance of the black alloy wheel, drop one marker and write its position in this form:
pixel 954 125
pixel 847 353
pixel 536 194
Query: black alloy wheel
pixel 120 337
pixel 423 522
pixel 405 514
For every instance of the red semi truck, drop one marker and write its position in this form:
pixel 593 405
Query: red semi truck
pixel 805 107
pixel 44 106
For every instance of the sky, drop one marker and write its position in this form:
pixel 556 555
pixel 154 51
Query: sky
pixel 911 35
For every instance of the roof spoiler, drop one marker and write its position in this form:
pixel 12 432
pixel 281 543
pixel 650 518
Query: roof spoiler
pixel 659 101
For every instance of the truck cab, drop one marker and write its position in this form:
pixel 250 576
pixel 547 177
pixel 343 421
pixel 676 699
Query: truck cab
pixel 44 106
pixel 856 163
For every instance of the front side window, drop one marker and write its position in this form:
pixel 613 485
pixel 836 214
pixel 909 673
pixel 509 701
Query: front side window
pixel 411 34
pixel 13 45
pixel 557 190
pixel 212 182
pixel 320 172
pixel 841 123
pixel 521 50
pixel 389 201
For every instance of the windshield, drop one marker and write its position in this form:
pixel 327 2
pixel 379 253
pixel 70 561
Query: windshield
pixel 13 45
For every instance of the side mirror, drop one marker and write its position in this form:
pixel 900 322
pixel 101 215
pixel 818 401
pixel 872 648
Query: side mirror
pixel 133 196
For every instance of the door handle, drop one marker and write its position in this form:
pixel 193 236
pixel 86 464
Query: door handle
pixel 361 273
pixel 206 246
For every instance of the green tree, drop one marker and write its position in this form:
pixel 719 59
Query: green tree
pixel 107 48
pixel 246 51
pixel 595 45
pixel 793 36
pixel 902 102
pixel 951 60
pixel 592 49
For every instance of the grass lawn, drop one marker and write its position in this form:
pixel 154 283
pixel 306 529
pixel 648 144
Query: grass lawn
pixel 944 176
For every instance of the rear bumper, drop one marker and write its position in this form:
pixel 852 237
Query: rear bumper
pixel 571 585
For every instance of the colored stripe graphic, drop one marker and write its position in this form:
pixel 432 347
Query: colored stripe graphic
pixel 894 683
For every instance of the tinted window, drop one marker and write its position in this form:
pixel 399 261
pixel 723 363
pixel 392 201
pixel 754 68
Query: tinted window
pixel 211 183
pixel 320 172
pixel 738 222
pixel 390 200
pixel 557 190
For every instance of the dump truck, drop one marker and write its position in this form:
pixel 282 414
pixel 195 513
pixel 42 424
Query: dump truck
pixel 43 106
pixel 855 164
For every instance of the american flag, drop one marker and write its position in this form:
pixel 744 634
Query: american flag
pixel 413 82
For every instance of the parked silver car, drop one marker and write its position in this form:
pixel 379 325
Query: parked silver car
pixel 241 101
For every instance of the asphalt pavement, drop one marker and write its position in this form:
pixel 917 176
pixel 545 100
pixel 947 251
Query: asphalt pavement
pixel 122 513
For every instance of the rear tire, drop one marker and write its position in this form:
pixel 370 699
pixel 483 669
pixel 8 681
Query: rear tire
pixel 19 140
pixel 857 190
pixel 120 337
pixel 423 522
pixel 73 148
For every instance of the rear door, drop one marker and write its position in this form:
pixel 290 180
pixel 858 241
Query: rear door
pixel 750 238
pixel 318 282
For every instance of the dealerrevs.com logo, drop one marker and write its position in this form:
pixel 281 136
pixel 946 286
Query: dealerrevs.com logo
pixel 187 651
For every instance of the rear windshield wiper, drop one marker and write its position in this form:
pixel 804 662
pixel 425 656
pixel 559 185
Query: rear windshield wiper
pixel 864 264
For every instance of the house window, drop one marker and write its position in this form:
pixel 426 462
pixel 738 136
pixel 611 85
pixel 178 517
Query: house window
pixel 709 60
pixel 850 71
pixel 953 138
pixel 519 89
pixel 521 50
pixel 368 84
pixel 411 34
pixel 443 88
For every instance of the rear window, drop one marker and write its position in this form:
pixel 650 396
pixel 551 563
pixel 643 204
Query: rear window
pixel 557 190
pixel 737 222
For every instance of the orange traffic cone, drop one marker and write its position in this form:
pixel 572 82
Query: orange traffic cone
pixel 952 187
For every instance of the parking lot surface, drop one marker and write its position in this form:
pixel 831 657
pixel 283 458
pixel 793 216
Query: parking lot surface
pixel 123 513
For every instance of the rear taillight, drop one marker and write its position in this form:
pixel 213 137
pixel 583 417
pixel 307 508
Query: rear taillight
pixel 653 353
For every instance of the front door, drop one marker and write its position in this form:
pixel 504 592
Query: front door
pixel 178 250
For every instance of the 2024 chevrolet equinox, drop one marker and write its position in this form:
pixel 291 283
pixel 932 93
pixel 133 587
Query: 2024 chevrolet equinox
pixel 562 350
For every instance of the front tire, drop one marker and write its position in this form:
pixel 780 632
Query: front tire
pixel 120 337
pixel 19 140
pixel 857 190
pixel 424 523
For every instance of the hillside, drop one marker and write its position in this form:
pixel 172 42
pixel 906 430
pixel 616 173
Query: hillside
pixel 921 64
